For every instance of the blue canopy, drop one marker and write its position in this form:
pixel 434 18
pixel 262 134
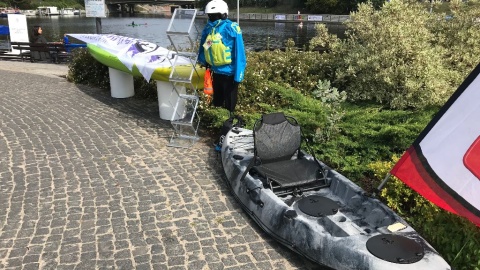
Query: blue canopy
pixel 4 30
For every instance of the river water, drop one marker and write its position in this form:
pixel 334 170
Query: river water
pixel 256 35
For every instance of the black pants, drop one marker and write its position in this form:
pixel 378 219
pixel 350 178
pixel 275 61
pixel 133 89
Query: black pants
pixel 225 91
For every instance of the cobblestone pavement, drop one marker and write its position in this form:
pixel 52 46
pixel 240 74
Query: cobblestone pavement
pixel 88 182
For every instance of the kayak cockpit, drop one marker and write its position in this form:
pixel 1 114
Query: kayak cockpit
pixel 279 162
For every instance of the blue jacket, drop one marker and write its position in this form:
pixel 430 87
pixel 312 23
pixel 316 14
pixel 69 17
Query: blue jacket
pixel 231 36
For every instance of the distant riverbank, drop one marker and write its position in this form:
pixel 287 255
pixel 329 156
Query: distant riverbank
pixel 261 17
pixel 292 18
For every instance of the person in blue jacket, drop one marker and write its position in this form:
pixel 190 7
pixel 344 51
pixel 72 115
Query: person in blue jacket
pixel 222 50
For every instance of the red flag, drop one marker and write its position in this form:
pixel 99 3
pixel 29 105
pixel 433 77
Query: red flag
pixel 443 164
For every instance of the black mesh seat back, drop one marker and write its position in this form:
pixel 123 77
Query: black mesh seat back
pixel 276 138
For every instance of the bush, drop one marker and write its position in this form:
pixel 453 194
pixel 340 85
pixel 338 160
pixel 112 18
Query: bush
pixel 311 113
pixel 291 68
pixel 390 56
pixel 461 36
pixel 300 70
pixel 401 56
pixel 370 133
pixel 84 69
pixel 332 99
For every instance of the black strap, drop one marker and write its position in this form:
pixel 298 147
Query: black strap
pixel 249 166
pixel 311 151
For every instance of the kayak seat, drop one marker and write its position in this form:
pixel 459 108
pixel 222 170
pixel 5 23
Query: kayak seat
pixel 278 158
pixel 291 173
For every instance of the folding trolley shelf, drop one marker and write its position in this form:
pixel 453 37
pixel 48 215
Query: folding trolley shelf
pixel 184 77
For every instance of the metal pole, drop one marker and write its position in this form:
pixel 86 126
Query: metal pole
pixel 379 188
pixel 238 12
pixel 98 22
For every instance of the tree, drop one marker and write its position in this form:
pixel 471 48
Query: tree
pixel 322 6
pixel 390 56
pixel 459 33
pixel 333 6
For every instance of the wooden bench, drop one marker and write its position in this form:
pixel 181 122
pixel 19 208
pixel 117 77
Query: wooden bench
pixel 8 55
pixel 52 52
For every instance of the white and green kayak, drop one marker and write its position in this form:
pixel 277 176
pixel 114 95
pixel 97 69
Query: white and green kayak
pixel 139 57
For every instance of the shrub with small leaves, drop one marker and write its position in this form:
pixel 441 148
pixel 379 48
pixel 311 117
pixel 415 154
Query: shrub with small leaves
pixel 332 99
pixel 144 89
pixel 390 56
pixel 300 70
pixel 460 35
pixel 84 69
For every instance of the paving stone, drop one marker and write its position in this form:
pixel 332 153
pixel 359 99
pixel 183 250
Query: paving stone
pixel 124 264
pixel 31 266
pixel 243 259
pixel 159 258
pixel 260 256
pixel 30 259
pixel 175 261
pixel 17 252
pixel 159 267
pixel 98 187
pixel 88 256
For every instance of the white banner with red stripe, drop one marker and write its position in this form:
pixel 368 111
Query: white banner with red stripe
pixel 443 164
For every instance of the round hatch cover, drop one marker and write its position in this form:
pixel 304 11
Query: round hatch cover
pixel 395 248
pixel 318 206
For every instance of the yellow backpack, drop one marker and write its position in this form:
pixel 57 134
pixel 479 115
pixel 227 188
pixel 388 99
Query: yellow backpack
pixel 216 53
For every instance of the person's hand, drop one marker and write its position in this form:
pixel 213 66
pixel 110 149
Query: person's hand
pixel 205 65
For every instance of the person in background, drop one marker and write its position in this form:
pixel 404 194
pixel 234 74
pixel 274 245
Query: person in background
pixel 65 39
pixel 66 42
pixel 222 50
pixel 37 35
pixel 41 55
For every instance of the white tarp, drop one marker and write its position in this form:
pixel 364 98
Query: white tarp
pixel 146 56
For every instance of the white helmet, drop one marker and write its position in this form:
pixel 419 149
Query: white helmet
pixel 216 6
